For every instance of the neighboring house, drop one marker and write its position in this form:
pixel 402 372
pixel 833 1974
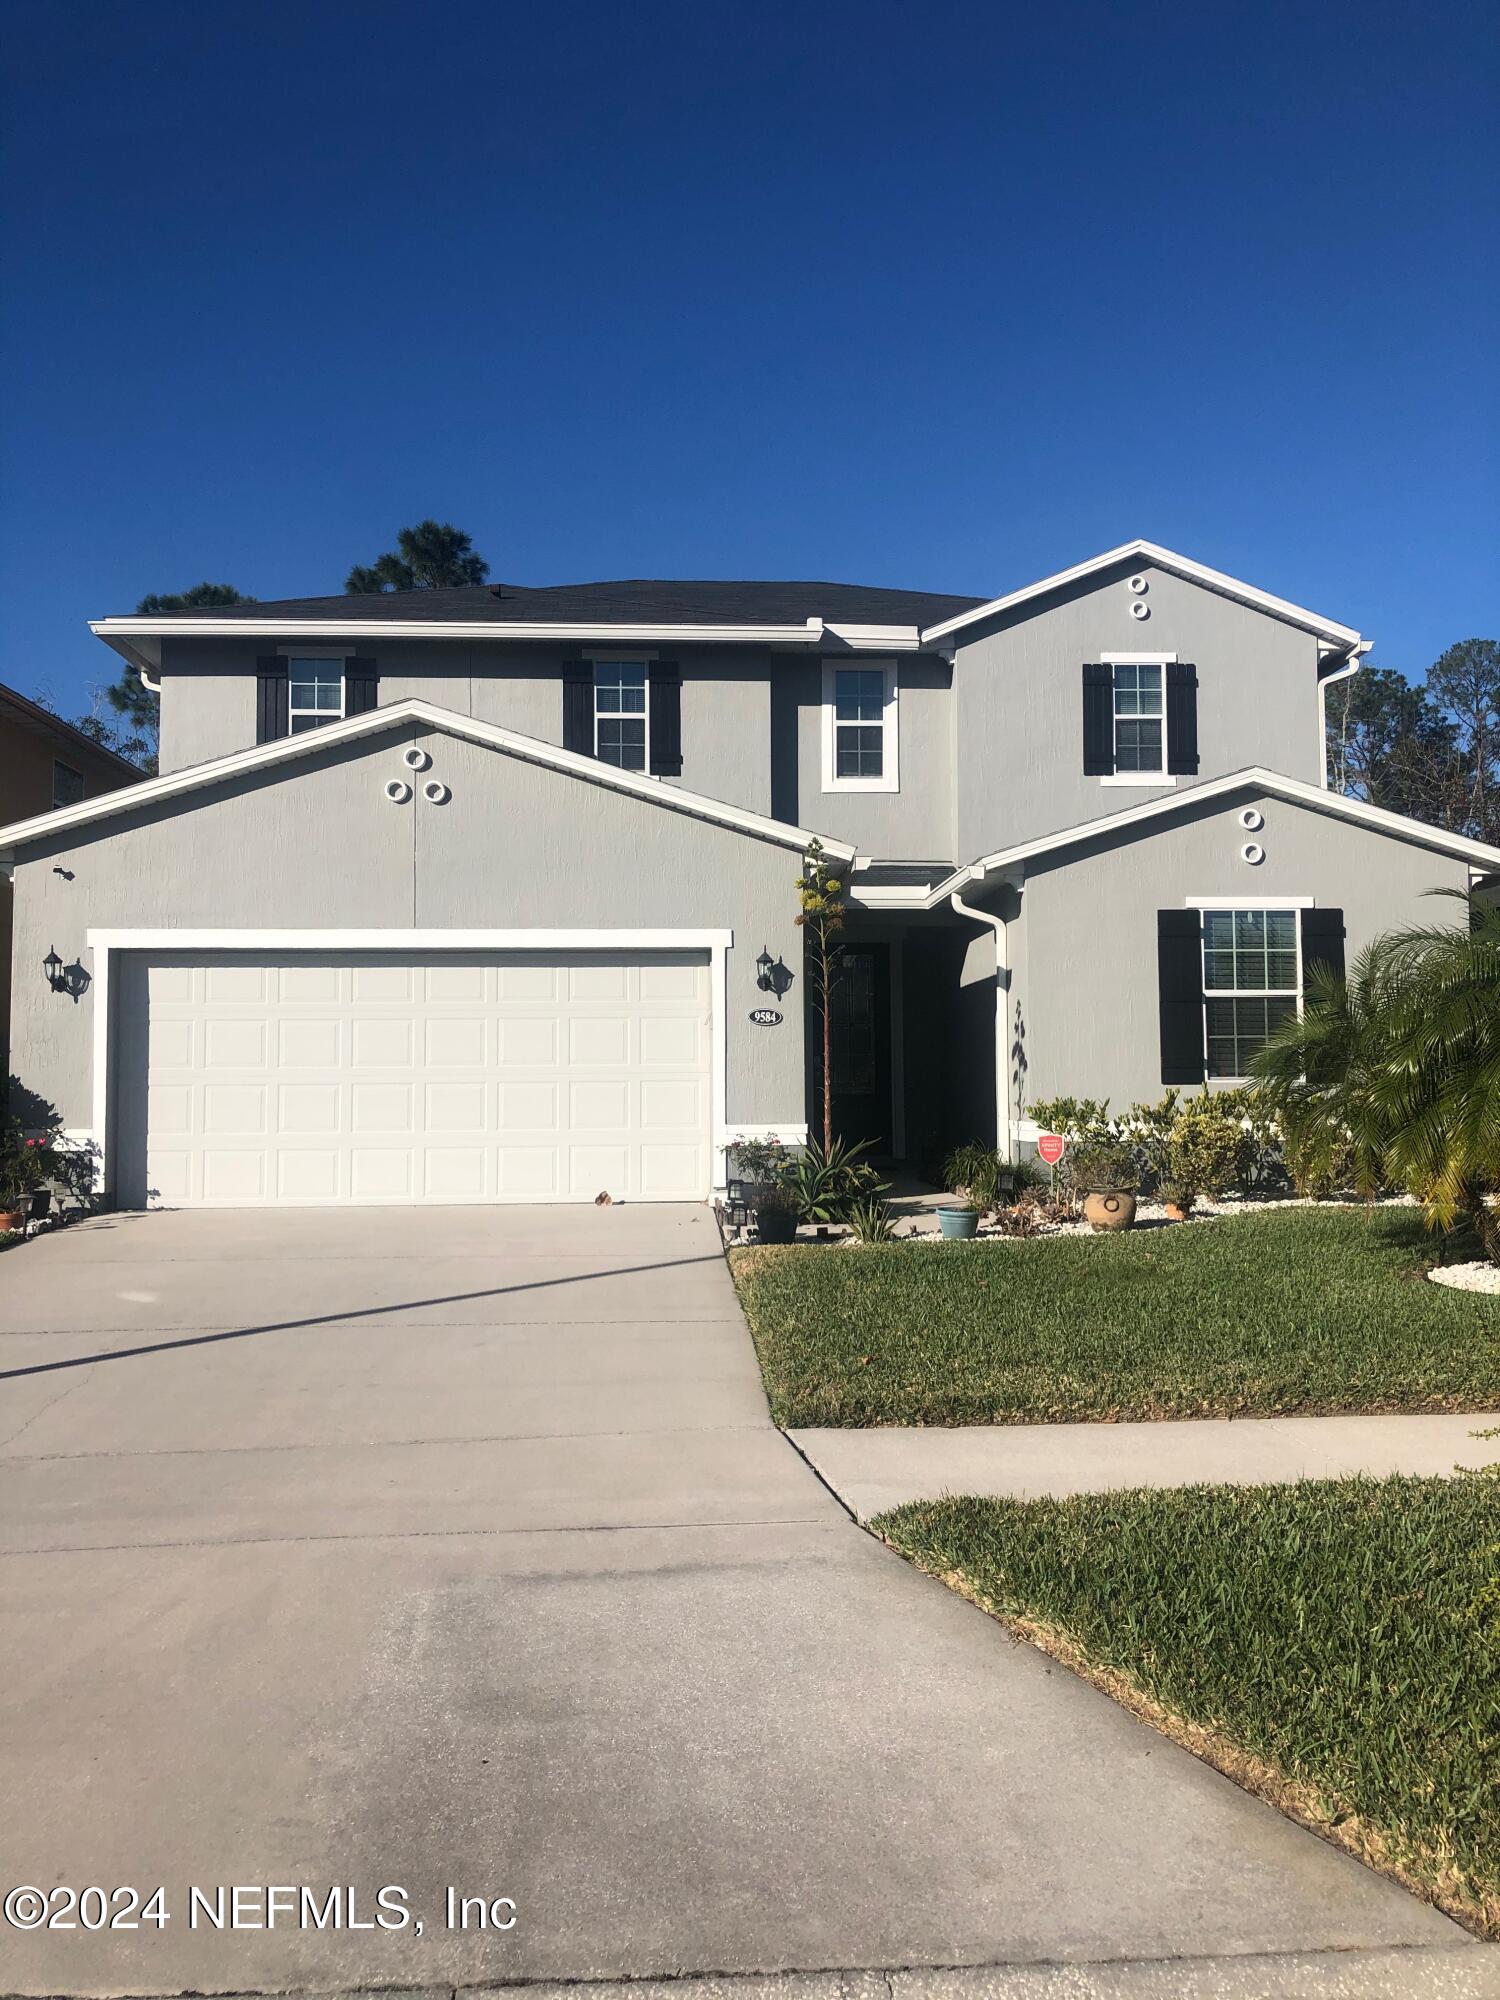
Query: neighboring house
pixel 45 763
pixel 489 894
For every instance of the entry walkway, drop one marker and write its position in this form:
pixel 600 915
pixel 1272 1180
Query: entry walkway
pixel 874 1470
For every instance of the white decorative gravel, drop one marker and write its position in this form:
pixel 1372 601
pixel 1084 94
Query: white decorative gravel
pixel 1480 1277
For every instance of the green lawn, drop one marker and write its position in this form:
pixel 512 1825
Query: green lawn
pixel 1291 1310
pixel 1333 1645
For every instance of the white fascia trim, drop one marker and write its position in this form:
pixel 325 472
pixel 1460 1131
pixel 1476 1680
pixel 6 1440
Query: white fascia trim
pixel 890 724
pixel 887 896
pixel 1262 600
pixel 877 638
pixel 437 628
pixel 105 943
pixel 1254 775
pixel 1249 902
pixel 528 748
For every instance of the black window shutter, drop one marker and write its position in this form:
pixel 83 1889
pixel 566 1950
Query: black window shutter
pixel 1179 976
pixel 361 687
pixel 578 707
pixel 272 700
pixel 1182 718
pixel 664 759
pixel 1322 942
pixel 1098 719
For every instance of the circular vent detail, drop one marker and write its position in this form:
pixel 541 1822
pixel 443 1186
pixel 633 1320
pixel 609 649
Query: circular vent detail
pixel 1251 820
pixel 415 758
pixel 397 791
pixel 435 792
pixel 1253 852
pixel 1139 585
pixel 1140 610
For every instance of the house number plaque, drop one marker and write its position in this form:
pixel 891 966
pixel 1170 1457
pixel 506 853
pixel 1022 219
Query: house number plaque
pixel 765 1017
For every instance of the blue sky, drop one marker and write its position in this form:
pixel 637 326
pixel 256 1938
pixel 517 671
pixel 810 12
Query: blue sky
pixel 946 297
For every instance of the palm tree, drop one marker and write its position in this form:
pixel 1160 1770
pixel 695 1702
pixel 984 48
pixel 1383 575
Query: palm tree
pixel 1399 1067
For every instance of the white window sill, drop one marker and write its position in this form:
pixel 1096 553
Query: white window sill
pixel 861 785
pixel 1161 780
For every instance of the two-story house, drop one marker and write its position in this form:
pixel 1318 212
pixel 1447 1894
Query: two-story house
pixel 45 763
pixel 489 894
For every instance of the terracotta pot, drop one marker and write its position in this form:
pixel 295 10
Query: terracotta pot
pixel 1176 1213
pixel 12 1218
pixel 1109 1210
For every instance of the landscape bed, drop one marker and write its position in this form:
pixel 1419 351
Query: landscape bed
pixel 1295 1311
pixel 1333 1646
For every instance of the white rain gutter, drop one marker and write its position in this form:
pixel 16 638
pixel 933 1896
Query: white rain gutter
pixel 1325 681
pixel 1005 1142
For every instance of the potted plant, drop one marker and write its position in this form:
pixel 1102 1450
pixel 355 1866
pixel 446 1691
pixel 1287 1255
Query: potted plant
pixel 776 1215
pixel 1104 1172
pixel 23 1168
pixel 958 1219
pixel 760 1164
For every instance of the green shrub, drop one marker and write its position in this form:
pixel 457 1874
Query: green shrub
pixel 1104 1165
pixel 1203 1156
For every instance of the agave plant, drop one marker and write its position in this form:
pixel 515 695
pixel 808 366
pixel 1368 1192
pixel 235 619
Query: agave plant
pixel 1397 1070
pixel 827 1180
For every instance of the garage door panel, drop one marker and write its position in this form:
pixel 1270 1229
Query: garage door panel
pixel 465 1078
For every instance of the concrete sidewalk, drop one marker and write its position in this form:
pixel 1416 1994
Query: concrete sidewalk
pixel 873 1470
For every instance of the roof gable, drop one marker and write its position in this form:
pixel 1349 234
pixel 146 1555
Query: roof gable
pixel 1254 777
pixel 288 751
pixel 1342 638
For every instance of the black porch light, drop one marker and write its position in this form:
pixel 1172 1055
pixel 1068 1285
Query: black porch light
pixel 763 967
pixel 771 976
pixel 53 966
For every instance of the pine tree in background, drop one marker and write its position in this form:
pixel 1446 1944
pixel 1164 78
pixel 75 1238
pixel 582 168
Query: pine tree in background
pixel 434 555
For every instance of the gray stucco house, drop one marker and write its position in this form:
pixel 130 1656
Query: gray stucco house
pixel 489 894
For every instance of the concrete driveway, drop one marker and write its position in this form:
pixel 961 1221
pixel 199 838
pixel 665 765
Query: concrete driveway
pixel 432 1548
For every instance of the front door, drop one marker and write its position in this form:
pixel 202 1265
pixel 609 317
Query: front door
pixel 860 1017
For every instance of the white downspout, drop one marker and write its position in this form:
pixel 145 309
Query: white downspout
pixel 1004 1129
pixel 1351 666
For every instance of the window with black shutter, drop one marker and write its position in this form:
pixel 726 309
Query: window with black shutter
pixel 1182 718
pixel 271 700
pixel 664 719
pixel 1179 978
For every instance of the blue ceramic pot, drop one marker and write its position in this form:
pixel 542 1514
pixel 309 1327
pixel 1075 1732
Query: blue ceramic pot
pixel 956 1222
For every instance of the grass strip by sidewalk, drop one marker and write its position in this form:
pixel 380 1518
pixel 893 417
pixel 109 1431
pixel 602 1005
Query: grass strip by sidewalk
pixel 1334 1646
pixel 1296 1310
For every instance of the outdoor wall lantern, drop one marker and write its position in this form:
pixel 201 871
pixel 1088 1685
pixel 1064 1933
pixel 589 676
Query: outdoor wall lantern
pixel 771 976
pixel 70 979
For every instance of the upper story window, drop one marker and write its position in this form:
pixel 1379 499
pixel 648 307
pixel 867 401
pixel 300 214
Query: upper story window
pixel 315 693
pixel 1252 981
pixel 1140 717
pixel 859 728
pixel 622 699
pixel 67 785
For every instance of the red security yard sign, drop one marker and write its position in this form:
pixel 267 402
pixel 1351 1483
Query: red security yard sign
pixel 1051 1146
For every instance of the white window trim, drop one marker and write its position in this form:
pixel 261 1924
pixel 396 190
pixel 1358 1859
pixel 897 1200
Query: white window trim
pixel 325 656
pixel 1162 777
pixel 890 776
pixel 103 944
pixel 633 659
pixel 1222 903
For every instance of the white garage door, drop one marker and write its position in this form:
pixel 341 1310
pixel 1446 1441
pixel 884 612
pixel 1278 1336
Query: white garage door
pixel 456 1077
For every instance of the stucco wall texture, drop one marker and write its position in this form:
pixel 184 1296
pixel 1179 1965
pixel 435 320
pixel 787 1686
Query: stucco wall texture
pixel 319 847
pixel 1084 980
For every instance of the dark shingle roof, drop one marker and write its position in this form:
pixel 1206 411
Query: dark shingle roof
pixel 634 601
